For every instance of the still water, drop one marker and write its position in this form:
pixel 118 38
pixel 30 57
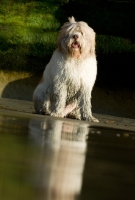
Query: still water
pixel 43 158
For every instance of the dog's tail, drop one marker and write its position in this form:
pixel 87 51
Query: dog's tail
pixel 71 19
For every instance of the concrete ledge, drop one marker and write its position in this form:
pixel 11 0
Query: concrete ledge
pixel 25 109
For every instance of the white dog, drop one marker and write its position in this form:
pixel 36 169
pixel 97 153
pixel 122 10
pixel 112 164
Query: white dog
pixel 68 79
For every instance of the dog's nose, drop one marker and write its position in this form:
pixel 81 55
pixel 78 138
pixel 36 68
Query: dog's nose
pixel 75 36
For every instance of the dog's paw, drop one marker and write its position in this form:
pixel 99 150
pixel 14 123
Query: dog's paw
pixel 93 119
pixel 73 116
pixel 53 114
pixel 42 112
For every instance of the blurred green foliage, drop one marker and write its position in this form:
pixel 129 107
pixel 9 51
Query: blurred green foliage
pixel 29 29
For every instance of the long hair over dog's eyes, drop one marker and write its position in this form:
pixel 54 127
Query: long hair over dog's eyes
pixel 82 33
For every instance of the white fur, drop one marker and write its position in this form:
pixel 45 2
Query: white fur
pixel 68 79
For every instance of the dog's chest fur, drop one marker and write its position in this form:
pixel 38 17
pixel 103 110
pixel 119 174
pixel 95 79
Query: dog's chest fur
pixel 74 73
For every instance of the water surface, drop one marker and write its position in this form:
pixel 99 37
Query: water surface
pixel 44 158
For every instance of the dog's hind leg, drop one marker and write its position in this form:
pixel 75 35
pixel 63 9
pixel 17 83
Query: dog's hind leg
pixel 41 101
pixel 42 105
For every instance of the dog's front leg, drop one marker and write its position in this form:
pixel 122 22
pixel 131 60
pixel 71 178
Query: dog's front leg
pixel 59 101
pixel 85 106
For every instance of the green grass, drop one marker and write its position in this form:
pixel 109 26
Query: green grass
pixel 33 14
pixel 28 30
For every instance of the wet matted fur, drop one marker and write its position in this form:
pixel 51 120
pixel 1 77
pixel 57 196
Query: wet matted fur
pixel 68 79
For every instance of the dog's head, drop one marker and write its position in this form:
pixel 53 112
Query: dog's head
pixel 76 39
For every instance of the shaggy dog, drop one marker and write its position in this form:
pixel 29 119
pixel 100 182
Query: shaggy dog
pixel 68 79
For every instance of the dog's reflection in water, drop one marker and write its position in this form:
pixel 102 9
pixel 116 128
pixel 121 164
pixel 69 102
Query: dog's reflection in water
pixel 61 161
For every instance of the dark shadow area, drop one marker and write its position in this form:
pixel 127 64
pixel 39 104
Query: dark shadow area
pixel 12 61
pixel 116 70
pixel 113 101
pixel 105 17
pixel 22 89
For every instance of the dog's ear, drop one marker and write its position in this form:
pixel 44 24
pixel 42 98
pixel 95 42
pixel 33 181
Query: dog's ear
pixel 71 19
pixel 92 50
pixel 92 42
